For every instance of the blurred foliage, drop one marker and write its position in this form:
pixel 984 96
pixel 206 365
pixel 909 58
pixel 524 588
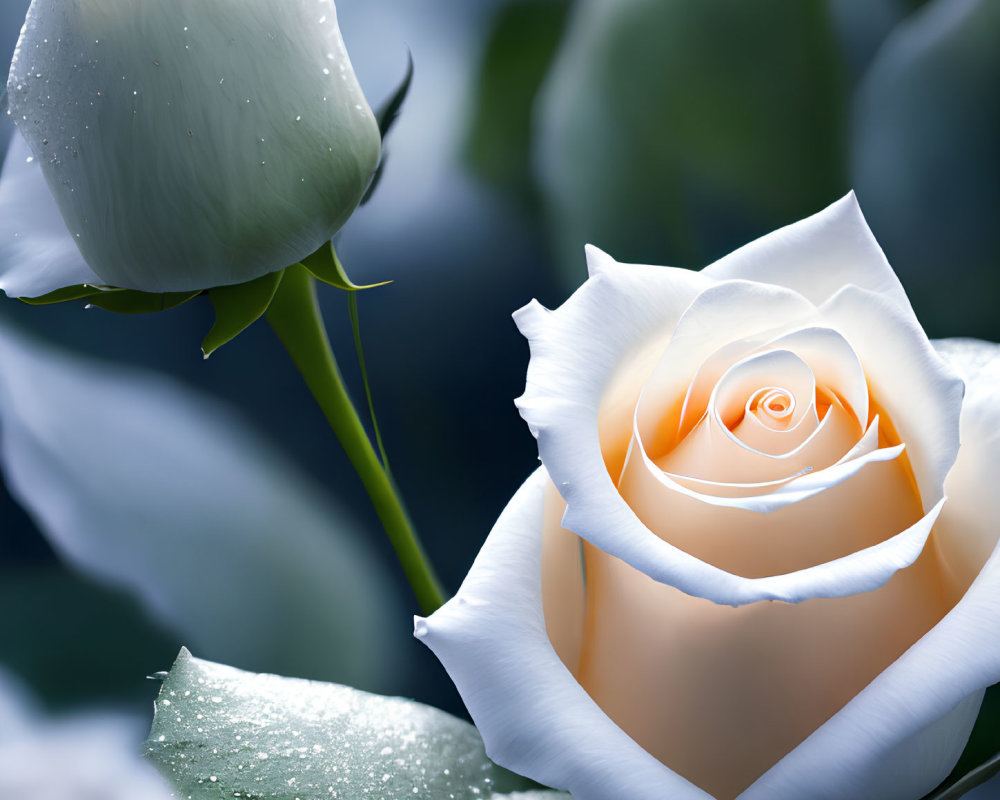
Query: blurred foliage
pixel 671 132
pixel 516 57
pixel 926 161
pixel 78 643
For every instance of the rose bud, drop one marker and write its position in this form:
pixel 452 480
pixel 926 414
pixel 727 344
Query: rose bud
pixel 193 143
pixel 756 562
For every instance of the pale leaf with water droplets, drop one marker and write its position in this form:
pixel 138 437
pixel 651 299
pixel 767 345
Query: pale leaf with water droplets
pixel 221 732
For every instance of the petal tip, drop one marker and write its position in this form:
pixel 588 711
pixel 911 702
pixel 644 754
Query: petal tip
pixel 529 318
pixel 597 260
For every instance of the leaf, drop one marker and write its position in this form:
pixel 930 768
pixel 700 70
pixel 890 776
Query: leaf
pixel 112 298
pixel 219 732
pixel 62 295
pixel 388 112
pixel 237 307
pixel 325 266
pixel 130 301
pixel 386 117
pixel 147 485
pixel 520 49
pixel 981 758
pixel 969 781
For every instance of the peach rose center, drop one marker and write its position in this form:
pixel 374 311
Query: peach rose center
pixel 720 694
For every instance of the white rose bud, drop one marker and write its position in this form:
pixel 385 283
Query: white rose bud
pixel 193 143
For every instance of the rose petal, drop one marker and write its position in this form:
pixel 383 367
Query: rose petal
pixel 722 314
pixel 798 486
pixel 817 256
pixel 968 530
pixel 920 394
pixel 37 252
pixel 546 727
pixel 830 357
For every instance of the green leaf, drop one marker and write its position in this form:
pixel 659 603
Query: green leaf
pixel 112 298
pixel 386 117
pixel 62 295
pixel 980 760
pixel 237 307
pixel 969 781
pixel 130 301
pixel 325 266
pixel 219 732
pixel 520 49
pixel 388 112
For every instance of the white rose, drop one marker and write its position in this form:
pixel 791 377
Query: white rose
pixel 774 428
pixel 191 143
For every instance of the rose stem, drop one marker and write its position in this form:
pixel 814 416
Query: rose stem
pixel 295 316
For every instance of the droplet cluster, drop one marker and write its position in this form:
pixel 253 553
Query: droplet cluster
pixel 221 732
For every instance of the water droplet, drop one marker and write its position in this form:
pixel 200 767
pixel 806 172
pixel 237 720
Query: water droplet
pixel 29 159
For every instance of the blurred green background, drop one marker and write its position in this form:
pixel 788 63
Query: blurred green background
pixel 663 131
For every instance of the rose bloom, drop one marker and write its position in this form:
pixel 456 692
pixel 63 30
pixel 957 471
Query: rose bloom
pixel 756 562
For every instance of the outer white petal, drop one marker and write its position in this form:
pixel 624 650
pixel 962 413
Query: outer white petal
pixel 533 715
pixel 192 144
pixel 970 523
pixel 37 252
pixel 817 256
pixel 154 488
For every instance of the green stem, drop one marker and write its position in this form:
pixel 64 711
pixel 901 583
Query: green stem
pixel 295 316
pixel 352 308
